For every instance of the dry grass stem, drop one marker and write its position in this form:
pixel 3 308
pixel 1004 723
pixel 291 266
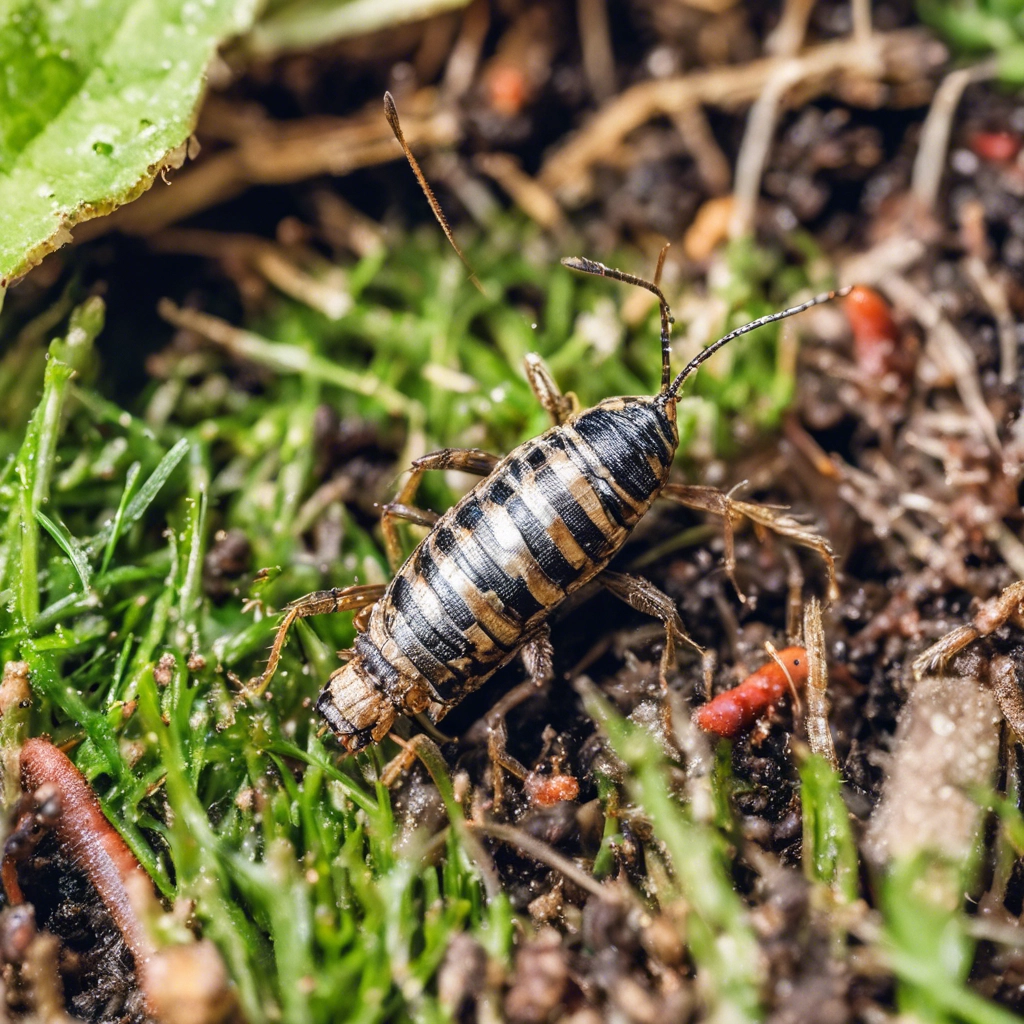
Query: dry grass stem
pixel 283 358
pixel 787 37
pixel 345 227
pixel 465 56
pixel 992 289
pixel 948 347
pixel 895 254
pixel 280 152
pixel 879 506
pixel 328 293
pixel 1007 607
pixel 860 18
pixel 712 164
pixel 545 854
pixel 526 192
pixel 757 141
pixel 596 44
pixel 903 55
pixel 819 736
pixel 1008 544
pixel 930 161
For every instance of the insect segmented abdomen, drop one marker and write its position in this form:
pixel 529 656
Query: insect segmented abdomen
pixel 544 523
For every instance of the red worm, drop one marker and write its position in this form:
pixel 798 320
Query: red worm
pixel 732 712
pixel 85 835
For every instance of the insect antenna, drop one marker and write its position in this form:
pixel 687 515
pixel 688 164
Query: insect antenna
pixel 673 389
pixel 391 113
pixel 670 390
pixel 585 266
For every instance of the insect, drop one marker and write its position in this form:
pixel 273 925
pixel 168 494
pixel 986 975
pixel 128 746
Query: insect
pixel 544 521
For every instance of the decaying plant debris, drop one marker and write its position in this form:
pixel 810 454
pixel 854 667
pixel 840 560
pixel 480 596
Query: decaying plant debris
pixel 622 864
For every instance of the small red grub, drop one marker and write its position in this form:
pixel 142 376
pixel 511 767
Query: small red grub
pixel 548 790
pixel 736 710
pixel 995 147
pixel 875 335
pixel 507 90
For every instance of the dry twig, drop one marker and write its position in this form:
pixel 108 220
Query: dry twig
pixel 948 346
pixel 596 44
pixel 903 55
pixel 819 737
pixel 931 152
pixel 275 152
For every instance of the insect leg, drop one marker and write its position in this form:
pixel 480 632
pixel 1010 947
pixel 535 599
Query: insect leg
pixel 732 511
pixel 467 460
pixel 645 597
pixel 321 602
pixel 558 406
pixel 996 612
pixel 537 657
pixel 497 737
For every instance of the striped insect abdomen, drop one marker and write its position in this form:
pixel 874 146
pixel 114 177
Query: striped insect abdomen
pixel 545 522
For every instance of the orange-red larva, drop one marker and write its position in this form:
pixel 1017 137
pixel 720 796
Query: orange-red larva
pixel 548 790
pixel 732 712
pixel 995 147
pixel 874 331
pixel 507 89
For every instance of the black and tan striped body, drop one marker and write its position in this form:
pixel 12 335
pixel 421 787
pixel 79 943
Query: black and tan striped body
pixel 479 586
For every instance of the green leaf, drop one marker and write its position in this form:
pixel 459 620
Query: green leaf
pixel 95 99
pixel 306 23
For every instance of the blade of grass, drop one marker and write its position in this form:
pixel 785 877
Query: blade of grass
pixel 927 942
pixel 829 852
pixel 151 488
pixel 70 546
pixel 34 467
pixel 118 522
pixel 201 874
